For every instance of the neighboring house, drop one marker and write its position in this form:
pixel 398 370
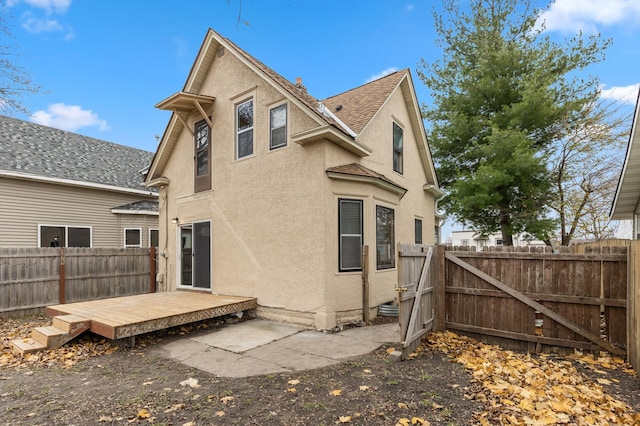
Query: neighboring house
pixel 626 204
pixel 478 240
pixel 267 192
pixel 63 189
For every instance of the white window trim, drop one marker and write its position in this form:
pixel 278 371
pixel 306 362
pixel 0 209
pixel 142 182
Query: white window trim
pixel 237 131
pixel 66 231
pixel 286 127
pixel 342 270
pixel 124 239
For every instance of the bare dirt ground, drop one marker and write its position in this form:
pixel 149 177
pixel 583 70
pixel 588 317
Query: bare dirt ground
pixel 92 381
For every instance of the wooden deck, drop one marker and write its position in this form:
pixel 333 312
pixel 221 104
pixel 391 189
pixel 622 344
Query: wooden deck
pixel 122 317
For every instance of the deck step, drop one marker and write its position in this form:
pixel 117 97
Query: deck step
pixel 49 336
pixel 25 346
pixel 71 324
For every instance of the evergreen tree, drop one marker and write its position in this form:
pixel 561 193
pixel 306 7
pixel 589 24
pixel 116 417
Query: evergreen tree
pixel 503 93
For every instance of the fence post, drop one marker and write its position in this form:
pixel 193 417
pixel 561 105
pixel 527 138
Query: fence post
pixel 62 286
pixel 152 270
pixel 633 304
pixel 365 284
pixel 439 314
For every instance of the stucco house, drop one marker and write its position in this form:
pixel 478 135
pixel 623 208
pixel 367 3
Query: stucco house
pixel 59 188
pixel 626 203
pixel 268 192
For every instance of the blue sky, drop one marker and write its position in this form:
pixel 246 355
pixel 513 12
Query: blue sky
pixel 103 65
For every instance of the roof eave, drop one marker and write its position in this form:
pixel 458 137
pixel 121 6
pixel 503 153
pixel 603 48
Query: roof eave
pixel 332 134
pixel 381 183
pixel 75 183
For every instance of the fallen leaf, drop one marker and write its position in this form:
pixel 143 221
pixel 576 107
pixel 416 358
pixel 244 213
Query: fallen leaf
pixel 293 382
pixel 336 392
pixel 403 406
pixel 364 387
pixel 345 419
pixel 226 399
pixel 191 382
pixel 291 390
pixel 419 421
pixel 220 413
pixel 403 422
pixel 105 419
pixel 603 381
pixel 143 414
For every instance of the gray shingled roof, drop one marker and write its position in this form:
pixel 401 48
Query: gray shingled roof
pixel 44 151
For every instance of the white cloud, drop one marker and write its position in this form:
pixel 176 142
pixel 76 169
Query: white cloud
pixel 37 26
pixel 626 94
pixel 68 117
pixel 57 6
pixel 381 74
pixel 571 16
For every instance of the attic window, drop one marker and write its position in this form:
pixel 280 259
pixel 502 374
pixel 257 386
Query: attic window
pixel 278 124
pixel 397 148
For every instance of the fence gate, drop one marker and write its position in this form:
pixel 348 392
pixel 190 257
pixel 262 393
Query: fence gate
pixel 417 274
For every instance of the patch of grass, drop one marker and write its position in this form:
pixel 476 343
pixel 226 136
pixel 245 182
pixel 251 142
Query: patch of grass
pixel 425 377
pixel 392 382
pixel 311 405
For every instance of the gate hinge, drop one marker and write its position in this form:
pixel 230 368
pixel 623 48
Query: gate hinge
pixel 401 289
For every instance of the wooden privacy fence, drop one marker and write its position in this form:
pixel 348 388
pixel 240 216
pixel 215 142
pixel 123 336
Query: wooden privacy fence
pixel 537 301
pixel 32 278
pixel 417 275
pixel 585 297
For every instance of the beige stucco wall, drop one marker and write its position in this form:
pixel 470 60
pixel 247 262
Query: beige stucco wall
pixel 27 204
pixel 344 289
pixel 274 215
pixel 267 241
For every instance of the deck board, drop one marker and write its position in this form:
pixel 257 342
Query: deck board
pixel 121 317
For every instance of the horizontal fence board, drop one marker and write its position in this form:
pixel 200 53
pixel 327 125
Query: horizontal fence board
pixel 30 277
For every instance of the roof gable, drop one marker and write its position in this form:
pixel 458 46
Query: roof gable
pixel 356 107
pixel 29 149
pixel 338 125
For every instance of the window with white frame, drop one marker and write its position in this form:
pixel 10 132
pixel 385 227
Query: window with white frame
pixel 465 243
pixel 397 148
pixel 385 238
pixel 350 233
pixel 278 127
pixel 244 129
pixel 132 237
pixel 64 236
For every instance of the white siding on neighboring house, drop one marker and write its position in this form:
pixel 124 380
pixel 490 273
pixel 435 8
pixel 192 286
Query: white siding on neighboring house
pixel 473 239
pixel 27 204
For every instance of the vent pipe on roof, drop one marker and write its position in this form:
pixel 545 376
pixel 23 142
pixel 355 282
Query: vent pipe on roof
pixel 327 113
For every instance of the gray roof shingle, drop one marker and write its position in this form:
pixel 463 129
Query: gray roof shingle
pixel 44 151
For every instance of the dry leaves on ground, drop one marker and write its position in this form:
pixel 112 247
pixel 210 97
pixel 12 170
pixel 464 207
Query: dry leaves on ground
pixel 68 355
pixel 522 389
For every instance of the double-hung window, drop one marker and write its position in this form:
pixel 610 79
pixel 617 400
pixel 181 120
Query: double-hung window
pixel 244 129
pixel 397 148
pixel 350 233
pixel 418 231
pixel 385 238
pixel 278 127
pixel 202 136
